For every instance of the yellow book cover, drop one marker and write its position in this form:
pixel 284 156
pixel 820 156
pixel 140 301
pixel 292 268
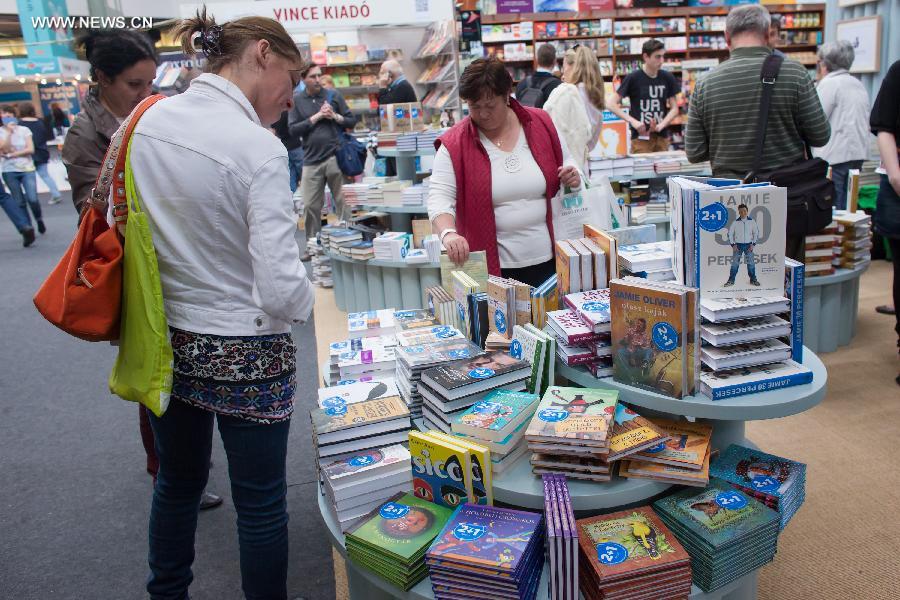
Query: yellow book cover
pixel 609 246
pixel 649 470
pixel 563 272
pixel 327 420
pixel 421 229
pixel 475 267
pixel 440 470
pixel 687 445
pixel 480 456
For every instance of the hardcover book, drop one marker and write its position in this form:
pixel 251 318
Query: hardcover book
pixel 496 416
pixel 335 349
pixel 364 464
pixel 608 244
pixel 687 446
pixel 568 268
pixel 327 421
pixel 418 357
pixel 370 323
pixel 479 466
pixel 568 414
pixel 340 396
pixel 731 383
pixel 461 378
pixel 794 277
pixel 647 470
pixel 729 309
pixel 632 433
pixel 531 348
pixel 758 473
pixel 549 371
pixel 744 330
pixel 441 470
pixel 429 335
pixel 569 327
pixel 592 307
pixel 414 319
pixel 745 355
pixel 501 306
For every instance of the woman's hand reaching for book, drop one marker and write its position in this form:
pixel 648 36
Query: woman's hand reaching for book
pixel 457 248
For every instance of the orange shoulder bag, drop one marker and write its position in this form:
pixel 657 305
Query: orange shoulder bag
pixel 83 294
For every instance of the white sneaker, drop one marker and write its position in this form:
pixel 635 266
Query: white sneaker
pixel 54 201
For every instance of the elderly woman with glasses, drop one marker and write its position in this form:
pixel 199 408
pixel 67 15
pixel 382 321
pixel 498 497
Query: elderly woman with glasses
pixel 494 175
pixel 846 105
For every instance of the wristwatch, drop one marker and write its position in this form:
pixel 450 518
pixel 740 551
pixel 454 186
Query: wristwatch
pixel 445 232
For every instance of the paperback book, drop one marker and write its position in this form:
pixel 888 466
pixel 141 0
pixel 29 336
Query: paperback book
pixel 479 465
pixel 633 433
pixel 731 383
pixel 441 470
pixel 497 416
pixel 592 307
pixel 465 377
pixel 568 415
pixel 688 444
pixel 533 349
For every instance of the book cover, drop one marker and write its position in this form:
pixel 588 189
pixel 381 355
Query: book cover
pixel 592 306
pixel 648 338
pixel 660 472
pixel 531 348
pixel 632 433
pixel 461 287
pixel 569 327
pixel 566 414
pixel 340 396
pixel 718 514
pixel 369 323
pixel 441 470
pixel 794 276
pixel 422 355
pixel 549 373
pixel 487 536
pixel 414 319
pixel 757 471
pixel 568 276
pixel 328 420
pixel 420 337
pixel 403 526
pixel 501 311
pixel 475 267
pixel 687 445
pixel 480 466
pixel 362 463
pixel 461 373
pixel 604 240
pixel 496 416
pixel 739 241
pixel 628 543
pixel 335 349
pixel 731 383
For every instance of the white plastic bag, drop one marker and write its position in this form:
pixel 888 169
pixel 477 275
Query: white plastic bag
pixel 594 204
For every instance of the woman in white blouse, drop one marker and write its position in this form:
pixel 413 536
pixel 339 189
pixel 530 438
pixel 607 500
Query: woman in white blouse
pixel 576 106
pixel 493 176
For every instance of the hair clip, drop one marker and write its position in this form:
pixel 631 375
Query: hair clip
pixel 210 39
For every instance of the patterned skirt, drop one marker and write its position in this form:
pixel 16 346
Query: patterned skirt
pixel 251 378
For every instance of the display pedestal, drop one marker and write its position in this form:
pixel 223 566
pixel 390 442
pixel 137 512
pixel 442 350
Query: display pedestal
pixel 830 304
pixel 361 285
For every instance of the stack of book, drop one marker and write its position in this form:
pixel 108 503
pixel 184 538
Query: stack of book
pixel 428 335
pixel 321 264
pixel 853 240
pixel 361 250
pixel 342 430
pixel 655 327
pixel 450 388
pixel 419 318
pixel 544 299
pixel 355 194
pixel 356 485
pixel 683 458
pixel 413 360
pixel 392 540
pixel 727 533
pixel 581 264
pixel 487 552
pixel 392 246
pixel 441 303
pixel 349 353
pixel 819 251
pixel 509 304
pixel 651 261
pixel 631 554
pixel 375 363
pixel 372 323
pixel 562 538
pixel 577 342
pixel 339 396
pixel 392 193
pixel 570 432
pixel 407 142
pixel 415 195
pixel 339 237
pixel 538 349
pixel 450 471
pixel 461 286
pixel 633 433
pixel 498 422
pixel 495 341
pixel 777 482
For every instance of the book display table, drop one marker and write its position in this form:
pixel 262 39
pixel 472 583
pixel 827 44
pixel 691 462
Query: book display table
pixel 830 304
pixel 361 285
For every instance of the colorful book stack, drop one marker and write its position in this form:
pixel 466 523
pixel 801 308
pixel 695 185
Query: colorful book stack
pixel 562 538
pixel 450 388
pixel 485 551
pixel 538 349
pixel 682 459
pixel 428 335
pixel 346 349
pixel 569 433
pixel 372 323
pixel 819 251
pixel 632 554
pixel 576 342
pixel 633 433
pixel 413 360
pixel 498 422
pixel 777 482
pixel 341 430
pixel 450 471
pixel 853 241
pixel 727 533
pixel 392 540
pixel 375 363
pixel 651 260
pixel 655 330
pixel 356 485
pixel 441 304
pixel 461 285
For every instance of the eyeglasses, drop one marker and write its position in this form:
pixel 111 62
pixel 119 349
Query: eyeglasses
pixel 576 47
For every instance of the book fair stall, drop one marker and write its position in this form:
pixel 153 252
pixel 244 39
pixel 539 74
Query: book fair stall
pixel 587 436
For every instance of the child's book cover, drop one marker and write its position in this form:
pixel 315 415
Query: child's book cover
pixel 566 414
pixel 441 470
pixel 687 445
pixel 648 338
pixel 329 420
pixel 632 433
pixel 531 348
pixel 496 416
pixel 414 319
pixel 480 466
pixel 593 308
pixel 758 472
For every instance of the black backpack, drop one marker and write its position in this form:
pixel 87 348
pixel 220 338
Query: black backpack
pixel 533 95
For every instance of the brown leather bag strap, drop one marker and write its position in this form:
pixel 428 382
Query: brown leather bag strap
pixel 112 170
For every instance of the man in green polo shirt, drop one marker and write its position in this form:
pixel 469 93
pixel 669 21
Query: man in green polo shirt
pixel 725 107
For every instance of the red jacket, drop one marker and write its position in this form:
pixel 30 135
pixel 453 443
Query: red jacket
pixel 474 201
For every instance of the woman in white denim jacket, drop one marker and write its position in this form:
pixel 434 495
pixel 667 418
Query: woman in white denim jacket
pixel 214 184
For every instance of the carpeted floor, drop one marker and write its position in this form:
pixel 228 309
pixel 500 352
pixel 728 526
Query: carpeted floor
pixel 839 546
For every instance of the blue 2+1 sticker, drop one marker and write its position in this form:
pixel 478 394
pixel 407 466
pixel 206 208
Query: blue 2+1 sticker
pixel 553 415
pixel 515 349
pixel 500 321
pixel 611 553
pixel 713 217
pixel 481 373
pixel 361 461
pixel 665 337
pixel 469 532
pixel 765 484
pixel 393 510
pixel 731 500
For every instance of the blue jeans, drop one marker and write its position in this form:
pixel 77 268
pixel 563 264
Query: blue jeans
pixel 16 214
pixel 23 187
pixel 737 251
pixel 47 178
pixel 256 466
pixel 295 166
pixel 839 174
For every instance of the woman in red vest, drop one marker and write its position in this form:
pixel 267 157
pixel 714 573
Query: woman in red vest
pixel 494 175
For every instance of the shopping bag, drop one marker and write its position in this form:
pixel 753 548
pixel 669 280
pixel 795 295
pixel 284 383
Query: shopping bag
pixel 594 204
pixel 143 369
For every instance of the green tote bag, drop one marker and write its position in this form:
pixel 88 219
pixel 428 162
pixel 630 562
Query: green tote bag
pixel 143 369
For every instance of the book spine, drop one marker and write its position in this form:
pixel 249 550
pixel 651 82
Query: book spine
pixel 762 385
pixel 696 224
pixel 574 361
pixel 797 283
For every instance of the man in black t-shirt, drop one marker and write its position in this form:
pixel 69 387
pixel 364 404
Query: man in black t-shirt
pixel 651 93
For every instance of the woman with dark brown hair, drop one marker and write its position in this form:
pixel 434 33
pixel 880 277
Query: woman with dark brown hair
pixel 213 183
pixel 493 177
